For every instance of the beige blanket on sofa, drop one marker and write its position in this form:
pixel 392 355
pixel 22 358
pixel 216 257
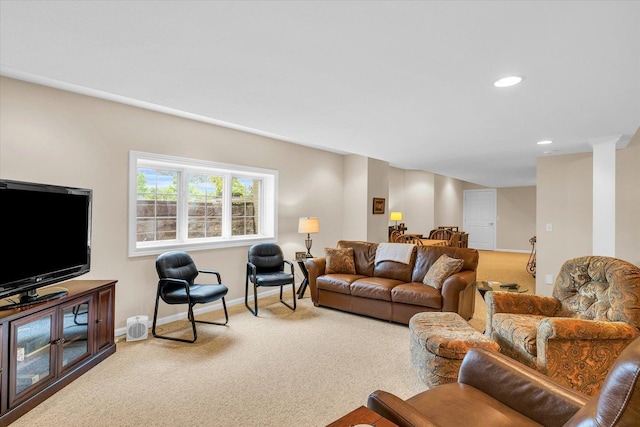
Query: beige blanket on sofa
pixel 398 252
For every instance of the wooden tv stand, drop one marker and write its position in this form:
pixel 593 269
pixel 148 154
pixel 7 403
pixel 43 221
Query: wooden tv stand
pixel 47 345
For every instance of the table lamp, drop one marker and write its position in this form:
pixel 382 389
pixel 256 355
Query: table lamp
pixel 308 225
pixel 396 216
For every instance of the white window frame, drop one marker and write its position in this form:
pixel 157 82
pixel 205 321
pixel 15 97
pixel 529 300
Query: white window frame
pixel 268 204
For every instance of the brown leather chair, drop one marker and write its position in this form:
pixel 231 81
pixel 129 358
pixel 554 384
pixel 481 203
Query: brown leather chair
pixel 494 390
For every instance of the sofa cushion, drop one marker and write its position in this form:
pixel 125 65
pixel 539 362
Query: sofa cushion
pixel 444 267
pixel 417 294
pixel 427 255
pixel 337 282
pixel 396 270
pixel 364 255
pixel 339 261
pixel 519 329
pixel 374 288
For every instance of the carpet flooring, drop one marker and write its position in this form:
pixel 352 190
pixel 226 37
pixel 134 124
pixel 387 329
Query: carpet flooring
pixel 283 368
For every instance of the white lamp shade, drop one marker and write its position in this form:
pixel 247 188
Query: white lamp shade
pixel 308 225
pixel 395 216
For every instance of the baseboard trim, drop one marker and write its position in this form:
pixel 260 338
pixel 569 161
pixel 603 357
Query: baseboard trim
pixel 520 251
pixel 205 309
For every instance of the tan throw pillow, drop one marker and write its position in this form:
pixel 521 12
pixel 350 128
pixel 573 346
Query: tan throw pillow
pixel 339 261
pixel 444 267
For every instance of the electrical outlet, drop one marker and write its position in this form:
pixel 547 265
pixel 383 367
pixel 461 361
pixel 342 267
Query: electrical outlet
pixel 548 279
pixel 549 227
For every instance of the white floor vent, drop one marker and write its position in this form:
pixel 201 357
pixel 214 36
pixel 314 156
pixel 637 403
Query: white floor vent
pixel 137 328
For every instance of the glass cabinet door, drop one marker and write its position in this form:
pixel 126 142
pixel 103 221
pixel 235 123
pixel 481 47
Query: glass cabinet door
pixel 76 318
pixel 34 355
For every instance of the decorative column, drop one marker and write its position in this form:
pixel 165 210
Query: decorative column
pixel 604 195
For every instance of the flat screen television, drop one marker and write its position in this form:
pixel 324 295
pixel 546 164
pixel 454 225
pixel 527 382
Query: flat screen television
pixel 46 239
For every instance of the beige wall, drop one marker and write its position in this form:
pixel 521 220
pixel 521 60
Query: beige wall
pixel 412 193
pixel 628 201
pixel 419 201
pixel 564 200
pixel 396 191
pixel 516 218
pixel 378 186
pixel 449 197
pixel 53 136
pixel 355 198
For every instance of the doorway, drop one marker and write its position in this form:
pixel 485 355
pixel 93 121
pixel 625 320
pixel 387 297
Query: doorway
pixel 479 218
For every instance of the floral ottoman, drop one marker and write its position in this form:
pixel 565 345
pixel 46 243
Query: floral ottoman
pixel 439 342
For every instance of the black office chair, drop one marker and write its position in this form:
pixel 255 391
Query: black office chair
pixel 177 273
pixel 266 267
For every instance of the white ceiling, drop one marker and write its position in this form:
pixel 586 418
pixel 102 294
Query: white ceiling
pixel 405 82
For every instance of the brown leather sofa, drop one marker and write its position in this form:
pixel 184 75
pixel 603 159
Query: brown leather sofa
pixel 392 290
pixel 495 390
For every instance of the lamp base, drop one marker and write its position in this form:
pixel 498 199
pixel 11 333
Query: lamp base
pixel 308 245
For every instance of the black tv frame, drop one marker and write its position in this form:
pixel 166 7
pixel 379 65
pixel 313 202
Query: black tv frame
pixel 36 288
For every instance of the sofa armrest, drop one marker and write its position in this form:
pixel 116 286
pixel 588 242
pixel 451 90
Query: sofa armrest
pixel 521 388
pixel 453 286
pixel 315 268
pixel 396 410
pixel 516 303
pixel 579 353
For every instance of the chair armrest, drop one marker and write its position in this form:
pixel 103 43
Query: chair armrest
pixel 175 281
pixel 166 280
pixel 569 328
pixel 515 303
pixel 217 274
pixel 251 271
pixel 579 353
pixel 315 268
pixel 290 264
pixel 521 388
pixel 396 410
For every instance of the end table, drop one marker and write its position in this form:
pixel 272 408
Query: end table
pixel 305 281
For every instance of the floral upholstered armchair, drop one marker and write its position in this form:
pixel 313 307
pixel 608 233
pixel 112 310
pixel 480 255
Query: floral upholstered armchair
pixel 574 336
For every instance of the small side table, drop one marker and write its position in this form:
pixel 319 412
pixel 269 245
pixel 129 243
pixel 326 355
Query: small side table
pixel 305 281
pixel 484 287
pixel 362 415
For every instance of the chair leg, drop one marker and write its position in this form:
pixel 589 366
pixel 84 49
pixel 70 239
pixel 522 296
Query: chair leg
pixel 254 311
pixel 165 337
pixel 192 320
pixel 293 285
pixel 155 316
pixel 226 316
pixel 246 297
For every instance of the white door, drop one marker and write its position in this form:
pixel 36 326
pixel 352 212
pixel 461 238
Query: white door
pixel 479 218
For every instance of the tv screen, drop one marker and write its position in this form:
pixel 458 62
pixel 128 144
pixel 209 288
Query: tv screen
pixel 46 235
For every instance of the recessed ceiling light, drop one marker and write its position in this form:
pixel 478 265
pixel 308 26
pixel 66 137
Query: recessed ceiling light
pixel 548 141
pixel 508 81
